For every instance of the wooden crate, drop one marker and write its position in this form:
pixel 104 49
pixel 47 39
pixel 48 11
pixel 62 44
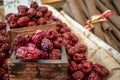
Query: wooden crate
pixel 12 33
pixel 39 70
pixel 55 3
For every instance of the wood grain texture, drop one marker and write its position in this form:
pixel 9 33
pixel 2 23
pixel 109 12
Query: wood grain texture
pixel 39 70
pixel 12 33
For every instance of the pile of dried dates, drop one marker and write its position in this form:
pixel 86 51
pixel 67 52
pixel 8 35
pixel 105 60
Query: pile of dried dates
pixel 26 17
pixel 42 45
pixel 47 44
pixel 4 52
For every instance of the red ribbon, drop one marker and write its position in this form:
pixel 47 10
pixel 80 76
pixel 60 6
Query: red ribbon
pixel 108 14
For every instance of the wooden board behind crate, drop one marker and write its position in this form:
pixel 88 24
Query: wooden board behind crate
pixel 39 70
pixel 12 33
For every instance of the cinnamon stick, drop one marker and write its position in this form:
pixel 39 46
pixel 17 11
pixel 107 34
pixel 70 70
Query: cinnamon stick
pixel 109 5
pixel 67 9
pixel 117 5
pixel 84 7
pixel 115 31
pixel 92 11
pixel 113 18
pixel 77 12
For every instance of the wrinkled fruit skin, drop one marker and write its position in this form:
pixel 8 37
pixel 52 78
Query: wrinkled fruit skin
pixel 13 24
pixel 28 53
pixel 73 66
pixel 12 17
pixel 23 21
pixel 31 12
pixel 43 9
pixel 44 55
pixel 34 5
pixel 58 43
pixel 22 10
pixel 41 21
pixel 87 67
pixel 46 44
pixel 78 75
pixel 79 57
pixel 55 54
pixel 100 70
pixel 48 14
pixel 37 38
pixel 94 76
pixel 21 40
pixel 51 34
pixel 32 23
pixel 39 14
pixel 78 48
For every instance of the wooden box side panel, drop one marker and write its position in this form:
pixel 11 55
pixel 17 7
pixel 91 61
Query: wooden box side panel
pixel 36 71
pixel 28 30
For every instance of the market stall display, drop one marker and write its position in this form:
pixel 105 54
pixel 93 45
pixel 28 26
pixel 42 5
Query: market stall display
pixel 35 49
pixel 105 26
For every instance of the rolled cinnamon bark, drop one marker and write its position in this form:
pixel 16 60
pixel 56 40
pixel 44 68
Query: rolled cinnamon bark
pixel 117 5
pixel 92 11
pixel 113 18
pixel 77 12
pixel 67 9
pixel 115 31
pixel 109 5
pixel 84 7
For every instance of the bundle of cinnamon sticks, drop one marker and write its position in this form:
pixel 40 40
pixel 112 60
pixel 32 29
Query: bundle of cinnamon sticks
pixel 83 10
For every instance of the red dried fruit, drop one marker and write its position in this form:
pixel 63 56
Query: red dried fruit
pixel 48 14
pixel 46 44
pixel 12 17
pixel 13 24
pixel 68 47
pixel 37 38
pixel 78 57
pixel 21 40
pixel 71 51
pixel 2 25
pixel 5 47
pixel 32 23
pixel 54 18
pixel 23 21
pixel 3 32
pixel 41 21
pixel 87 67
pixel 31 12
pixel 48 22
pixel 66 36
pixel 51 34
pixel 73 66
pixel 78 75
pixel 34 5
pixel 73 37
pixel 58 43
pixel 80 48
pixel 22 10
pixel 28 53
pixel 39 14
pixel 94 76
pixel 44 55
pixel 55 54
pixel 43 9
pixel 2 71
pixel 3 39
pixel 100 70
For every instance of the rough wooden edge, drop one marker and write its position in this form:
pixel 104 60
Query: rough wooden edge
pixel 63 59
